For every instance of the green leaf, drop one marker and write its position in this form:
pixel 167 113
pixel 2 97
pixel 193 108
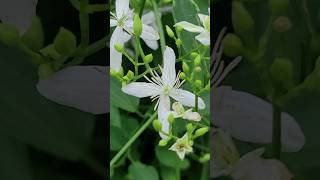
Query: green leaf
pixel 34 37
pixel 117 138
pixel 139 171
pixel 29 117
pixel 184 10
pixel 168 173
pixel 120 99
pixel 170 158
pixel 65 42
pixel 115 119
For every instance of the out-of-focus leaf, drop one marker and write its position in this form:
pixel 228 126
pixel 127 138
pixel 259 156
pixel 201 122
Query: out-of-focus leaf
pixel 170 158
pixel 139 171
pixel 168 173
pixel 34 37
pixel 117 138
pixel 115 119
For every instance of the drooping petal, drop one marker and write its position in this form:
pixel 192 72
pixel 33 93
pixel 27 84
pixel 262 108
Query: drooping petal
pixel 18 13
pixel 163 113
pixel 186 98
pixel 149 33
pixel 141 89
pixel 113 22
pixel 169 67
pixel 190 27
pixel 122 7
pixel 249 118
pixel 204 38
pixel 153 44
pixel 81 87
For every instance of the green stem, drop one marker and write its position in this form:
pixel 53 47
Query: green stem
pixel 84 23
pixel 205 173
pixel 143 2
pixel 159 24
pixel 276 132
pixel 131 140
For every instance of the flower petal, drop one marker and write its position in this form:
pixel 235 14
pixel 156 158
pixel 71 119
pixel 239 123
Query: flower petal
pixel 122 7
pixel 169 67
pixel 18 13
pixel 190 27
pixel 163 113
pixel 204 38
pixel 203 18
pixel 249 118
pixel 141 89
pixel 193 116
pixel 148 18
pixel 81 87
pixel 153 44
pixel 113 22
pixel 149 33
pixel 186 98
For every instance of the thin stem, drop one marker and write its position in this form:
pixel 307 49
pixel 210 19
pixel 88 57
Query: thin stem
pixel 84 23
pixel 276 132
pixel 132 140
pixel 159 24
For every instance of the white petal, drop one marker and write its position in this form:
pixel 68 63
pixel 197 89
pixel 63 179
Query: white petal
pixel 186 98
pixel 148 18
pixel 190 27
pixel 81 87
pixel 18 13
pixel 141 89
pixel 153 44
pixel 113 22
pixel 122 7
pixel 169 67
pixel 203 18
pixel 204 38
pixel 193 116
pixel 163 113
pixel 249 118
pixel 149 33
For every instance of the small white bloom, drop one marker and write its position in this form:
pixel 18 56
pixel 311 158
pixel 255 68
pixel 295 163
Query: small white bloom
pixel 182 146
pixel 18 13
pixel 179 112
pixel 204 30
pixel 123 20
pixel 249 118
pixel 161 88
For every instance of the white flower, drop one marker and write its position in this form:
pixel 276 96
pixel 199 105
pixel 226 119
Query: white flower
pixel 182 146
pixel 249 118
pixel 179 112
pixel 18 13
pixel 123 20
pixel 204 30
pixel 81 87
pixel 161 88
pixel 150 19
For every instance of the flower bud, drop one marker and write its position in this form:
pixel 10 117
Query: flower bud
pixel 113 72
pixel 205 158
pixel 129 76
pixel 171 118
pixel 198 84
pixel 278 6
pixel 282 24
pixel 148 58
pixel 157 125
pixel 201 131
pixel 242 21
pixel 189 127
pixel 281 71
pixel 179 29
pixel 9 35
pixel 119 48
pixel 182 75
pixel 170 32
pixel 185 67
pixel 178 43
pixel 194 54
pixel 232 45
pixel 197 60
pixel 163 142
pixel 198 69
pixel 44 71
pixel 137 25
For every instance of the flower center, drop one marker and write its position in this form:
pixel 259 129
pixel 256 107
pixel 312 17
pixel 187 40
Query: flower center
pixel 180 147
pixel 166 90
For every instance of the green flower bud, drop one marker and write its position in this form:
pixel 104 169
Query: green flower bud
pixel 179 29
pixel 189 127
pixel 44 71
pixel 178 43
pixel 278 6
pixel 182 75
pixel 198 83
pixel 198 69
pixel 282 24
pixel 201 131
pixel 281 71
pixel 185 67
pixel 157 125
pixel 119 48
pixel 194 54
pixel 137 25
pixel 205 158
pixel 170 32
pixel 148 58
pixel 242 21
pixel 163 142
pixel 232 45
pixel 197 60
pixel 9 35
pixel 129 76
pixel 171 118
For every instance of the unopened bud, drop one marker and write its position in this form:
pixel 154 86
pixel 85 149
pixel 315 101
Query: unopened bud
pixel 232 45
pixel 119 48
pixel 163 142
pixel 185 67
pixel 205 158
pixel 170 32
pixel 179 29
pixel 242 21
pixel 201 131
pixel 198 83
pixel 194 54
pixel 182 75
pixel 171 118
pixel 197 69
pixel 148 58
pixel 137 25
pixel 278 6
pixel 189 127
pixel 157 125
pixel 197 60
pixel 281 71
pixel 178 43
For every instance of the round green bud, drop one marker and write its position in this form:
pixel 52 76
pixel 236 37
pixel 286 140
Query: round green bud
pixel 178 43
pixel 171 118
pixel 185 67
pixel 281 71
pixel 170 32
pixel 205 158
pixel 232 45
pixel 198 69
pixel 137 25
pixel 278 6
pixel 44 71
pixel 163 142
pixel 182 75
pixel 130 74
pixel 242 21
pixel 157 125
pixel 282 24
pixel 201 131
pixel 148 58
pixel 194 54
pixel 198 83
pixel 197 60
pixel 119 48
pixel 179 29
pixel 189 127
